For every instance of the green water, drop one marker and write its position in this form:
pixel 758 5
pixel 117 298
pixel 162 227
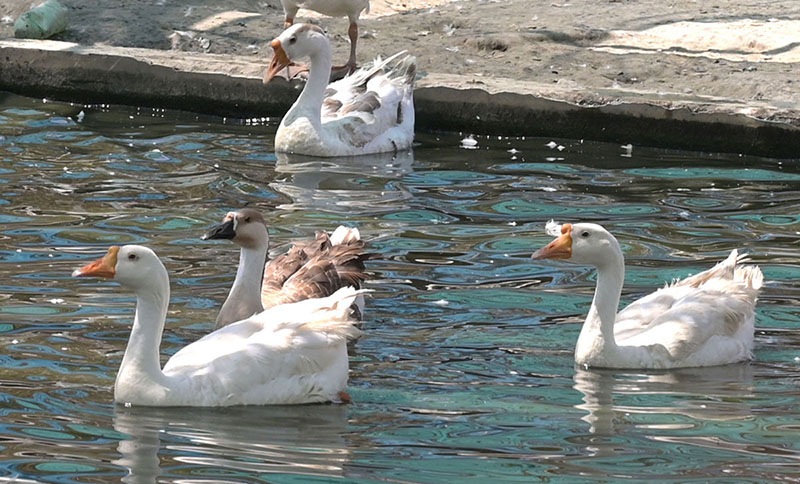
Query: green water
pixel 465 372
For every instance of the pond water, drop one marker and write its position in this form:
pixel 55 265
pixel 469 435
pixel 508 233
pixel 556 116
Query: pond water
pixel 465 372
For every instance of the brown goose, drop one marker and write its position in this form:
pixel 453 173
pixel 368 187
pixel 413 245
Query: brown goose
pixel 309 270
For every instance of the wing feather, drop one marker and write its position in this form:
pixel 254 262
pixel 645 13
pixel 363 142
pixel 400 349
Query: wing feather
pixel 316 269
pixel 288 350
pixel 687 313
pixel 372 101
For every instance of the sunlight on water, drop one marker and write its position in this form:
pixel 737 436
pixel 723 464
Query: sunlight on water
pixel 465 371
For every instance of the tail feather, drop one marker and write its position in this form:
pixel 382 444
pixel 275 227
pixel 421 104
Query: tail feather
pixel 335 316
pixel 724 269
pixel 344 235
pixel 405 70
pixel 730 269
pixel 358 80
pixel 751 276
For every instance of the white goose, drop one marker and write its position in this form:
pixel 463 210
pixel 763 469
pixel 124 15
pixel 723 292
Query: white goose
pixel 309 270
pixel 332 8
pixel 290 354
pixel 703 320
pixel 371 111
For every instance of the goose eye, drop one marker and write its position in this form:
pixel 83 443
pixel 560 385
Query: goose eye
pixel 132 256
pixel 247 220
pixel 584 234
pixel 292 40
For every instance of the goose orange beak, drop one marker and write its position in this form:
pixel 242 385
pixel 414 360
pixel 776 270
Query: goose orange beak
pixel 103 267
pixel 561 248
pixel 279 61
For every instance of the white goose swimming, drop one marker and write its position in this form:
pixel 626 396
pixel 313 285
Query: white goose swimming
pixel 370 111
pixel 290 354
pixel 332 8
pixel 703 320
pixel 309 270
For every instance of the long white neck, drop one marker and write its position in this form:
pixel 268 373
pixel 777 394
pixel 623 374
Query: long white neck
pixel 244 300
pixel 596 344
pixel 141 365
pixel 309 103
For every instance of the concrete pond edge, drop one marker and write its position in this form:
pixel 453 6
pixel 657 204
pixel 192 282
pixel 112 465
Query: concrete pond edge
pixel 231 86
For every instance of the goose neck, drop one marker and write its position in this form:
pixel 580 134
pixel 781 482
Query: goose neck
pixel 597 340
pixel 141 363
pixel 246 290
pixel 309 103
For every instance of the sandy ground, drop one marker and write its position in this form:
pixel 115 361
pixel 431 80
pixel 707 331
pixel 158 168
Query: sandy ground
pixel 731 49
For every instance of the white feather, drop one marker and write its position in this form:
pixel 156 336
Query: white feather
pixel 370 111
pixel 704 320
pixel 553 228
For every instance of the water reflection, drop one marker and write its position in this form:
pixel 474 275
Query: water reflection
pixel 715 393
pixel 231 442
pixel 354 184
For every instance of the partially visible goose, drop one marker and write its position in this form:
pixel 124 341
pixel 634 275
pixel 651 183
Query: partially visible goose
pixel 370 111
pixel 332 8
pixel 703 320
pixel 309 270
pixel 293 353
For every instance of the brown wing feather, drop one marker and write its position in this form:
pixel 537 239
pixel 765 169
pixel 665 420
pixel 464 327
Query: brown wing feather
pixel 277 272
pixel 349 262
pixel 319 245
pixel 367 102
pixel 316 279
pixel 314 269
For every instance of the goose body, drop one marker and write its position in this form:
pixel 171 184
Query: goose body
pixel 332 8
pixel 308 270
pixel 370 111
pixel 704 320
pixel 289 354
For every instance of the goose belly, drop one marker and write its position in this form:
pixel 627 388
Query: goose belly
pixel 336 8
pixel 300 137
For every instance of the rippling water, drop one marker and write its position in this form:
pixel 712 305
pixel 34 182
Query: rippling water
pixel 465 372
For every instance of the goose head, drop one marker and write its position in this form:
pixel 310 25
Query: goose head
pixel 133 266
pixel 297 42
pixel 583 243
pixel 245 227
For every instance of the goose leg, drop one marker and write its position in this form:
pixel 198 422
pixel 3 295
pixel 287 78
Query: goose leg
pixel 342 397
pixel 350 67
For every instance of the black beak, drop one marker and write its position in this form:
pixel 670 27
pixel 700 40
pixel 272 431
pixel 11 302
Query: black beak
pixel 221 231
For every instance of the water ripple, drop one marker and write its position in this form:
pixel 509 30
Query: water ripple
pixel 466 367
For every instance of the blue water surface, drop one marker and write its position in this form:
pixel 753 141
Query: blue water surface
pixel 465 372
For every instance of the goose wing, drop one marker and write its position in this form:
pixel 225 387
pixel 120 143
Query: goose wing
pixel 373 100
pixel 315 269
pixel 688 313
pixel 271 357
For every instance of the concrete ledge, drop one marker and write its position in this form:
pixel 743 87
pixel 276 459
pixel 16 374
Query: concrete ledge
pixel 231 86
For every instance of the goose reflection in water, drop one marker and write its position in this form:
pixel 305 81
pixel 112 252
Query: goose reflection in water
pixel 352 185
pixel 217 443
pixel 717 393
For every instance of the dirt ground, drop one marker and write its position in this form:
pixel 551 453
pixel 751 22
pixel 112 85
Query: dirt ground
pixel 726 48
